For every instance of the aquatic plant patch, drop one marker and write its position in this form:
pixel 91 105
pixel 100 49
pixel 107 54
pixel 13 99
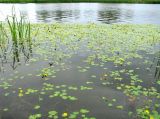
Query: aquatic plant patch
pixel 78 67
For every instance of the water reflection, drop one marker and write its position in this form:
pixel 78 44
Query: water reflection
pixel 110 16
pixel 58 15
pixel 43 15
pixel 15 56
pixel 101 13
pixel 86 12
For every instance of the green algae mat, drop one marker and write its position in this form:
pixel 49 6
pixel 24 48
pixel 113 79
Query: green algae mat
pixel 80 71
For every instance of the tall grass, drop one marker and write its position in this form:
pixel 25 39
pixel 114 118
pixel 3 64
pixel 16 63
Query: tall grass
pixel 15 37
pixel 19 29
pixel 20 34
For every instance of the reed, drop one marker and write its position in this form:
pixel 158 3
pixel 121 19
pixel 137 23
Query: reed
pixel 15 37
pixel 19 29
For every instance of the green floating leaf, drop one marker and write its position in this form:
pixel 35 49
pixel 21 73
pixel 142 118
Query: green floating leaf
pixel 119 107
pixel 110 104
pixel 5 109
pixel 35 116
pixel 84 111
pixel 36 107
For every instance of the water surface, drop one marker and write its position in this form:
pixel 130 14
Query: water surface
pixel 86 12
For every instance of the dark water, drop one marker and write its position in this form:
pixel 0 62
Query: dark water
pixel 68 74
pixel 87 12
pixel 21 108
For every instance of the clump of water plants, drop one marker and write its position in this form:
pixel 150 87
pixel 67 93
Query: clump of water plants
pixel 16 38
pixel 82 113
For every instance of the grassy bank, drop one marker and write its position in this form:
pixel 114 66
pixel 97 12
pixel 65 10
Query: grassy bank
pixel 76 1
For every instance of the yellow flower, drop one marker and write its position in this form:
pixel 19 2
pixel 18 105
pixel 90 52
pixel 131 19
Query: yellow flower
pixel 21 91
pixel 64 114
pixel 151 117
pixel 147 111
pixel 20 94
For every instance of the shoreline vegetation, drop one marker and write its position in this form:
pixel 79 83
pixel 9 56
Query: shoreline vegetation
pixel 78 1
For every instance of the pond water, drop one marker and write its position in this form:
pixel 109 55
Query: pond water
pixel 87 12
pixel 80 71
pixel 74 69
